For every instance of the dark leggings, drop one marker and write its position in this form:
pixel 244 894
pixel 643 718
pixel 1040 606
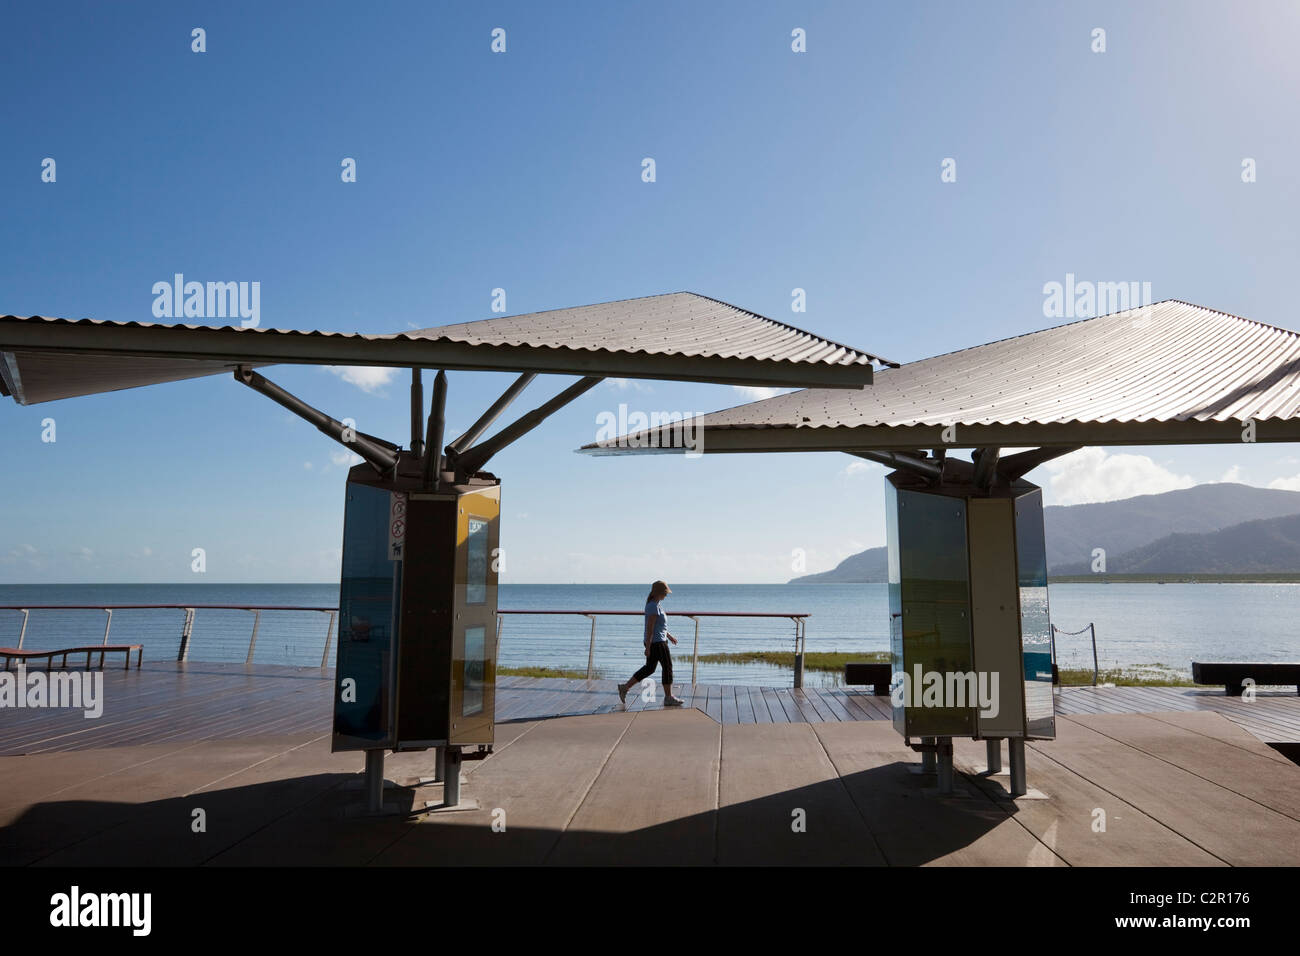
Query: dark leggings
pixel 658 655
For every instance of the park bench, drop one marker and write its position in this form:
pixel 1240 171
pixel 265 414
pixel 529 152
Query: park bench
pixel 1232 675
pixel 9 653
pixel 877 675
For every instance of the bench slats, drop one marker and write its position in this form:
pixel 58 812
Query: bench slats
pixel 9 653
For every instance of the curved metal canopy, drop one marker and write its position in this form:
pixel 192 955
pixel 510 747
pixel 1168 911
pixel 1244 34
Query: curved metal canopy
pixel 680 336
pixel 1168 373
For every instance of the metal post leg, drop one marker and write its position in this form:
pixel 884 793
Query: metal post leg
pixel 994 745
pixel 945 765
pixel 451 777
pixel 440 764
pixel 374 780
pixel 1016 757
pixel 928 764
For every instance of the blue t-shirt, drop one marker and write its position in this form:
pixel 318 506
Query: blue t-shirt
pixel 657 620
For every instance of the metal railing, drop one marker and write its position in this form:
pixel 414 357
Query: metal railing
pixel 1091 630
pixel 191 610
pixel 187 629
pixel 800 632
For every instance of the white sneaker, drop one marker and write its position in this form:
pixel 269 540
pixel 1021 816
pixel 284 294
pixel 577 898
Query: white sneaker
pixel 673 702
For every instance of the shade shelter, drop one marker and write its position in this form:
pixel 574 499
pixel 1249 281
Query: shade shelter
pixel 965 536
pixel 418 592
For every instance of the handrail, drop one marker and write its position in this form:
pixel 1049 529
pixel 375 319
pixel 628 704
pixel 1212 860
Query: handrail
pixel 678 613
pixel 800 632
pixel 800 620
pixel 187 628
pixel 118 607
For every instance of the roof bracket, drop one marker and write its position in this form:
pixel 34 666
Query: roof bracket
pixel 473 459
pixel 380 454
pixel 986 466
pixel 431 464
pixel 492 414
pixel 922 467
pixel 1020 464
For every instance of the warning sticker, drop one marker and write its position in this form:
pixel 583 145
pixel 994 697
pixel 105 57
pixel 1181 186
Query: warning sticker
pixel 396 524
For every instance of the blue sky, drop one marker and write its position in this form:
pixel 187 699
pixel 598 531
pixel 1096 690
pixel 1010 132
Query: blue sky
pixel 776 170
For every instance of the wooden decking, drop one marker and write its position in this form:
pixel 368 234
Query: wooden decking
pixel 1273 716
pixel 166 701
pixel 717 782
pixel 528 698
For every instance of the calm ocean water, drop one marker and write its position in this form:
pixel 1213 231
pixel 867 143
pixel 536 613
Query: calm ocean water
pixel 1136 624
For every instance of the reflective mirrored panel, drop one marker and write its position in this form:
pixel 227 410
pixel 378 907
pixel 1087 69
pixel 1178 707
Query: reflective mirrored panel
pixel 1035 619
pixel 366 625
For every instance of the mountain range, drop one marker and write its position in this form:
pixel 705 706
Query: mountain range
pixel 1221 528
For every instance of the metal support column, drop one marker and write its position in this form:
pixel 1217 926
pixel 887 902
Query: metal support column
pixel 928 764
pixel 439 764
pixel 994 745
pixel 451 777
pixel 375 781
pixel 417 413
pixel 945 764
pixel 1016 757
pixel 431 464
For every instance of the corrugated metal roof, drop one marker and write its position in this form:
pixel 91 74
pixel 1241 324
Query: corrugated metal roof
pixel 1137 376
pixel 676 336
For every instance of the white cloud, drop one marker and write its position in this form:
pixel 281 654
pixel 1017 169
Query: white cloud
pixel 345 458
pixel 1233 475
pixel 1092 474
pixel 307 465
pixel 623 384
pixel 756 392
pixel 364 377
pixel 1286 484
pixel 859 466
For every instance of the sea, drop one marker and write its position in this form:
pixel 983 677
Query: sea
pixel 1161 626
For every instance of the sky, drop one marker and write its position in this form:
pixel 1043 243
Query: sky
pixel 476 170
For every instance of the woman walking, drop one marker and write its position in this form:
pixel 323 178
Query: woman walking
pixel 656 647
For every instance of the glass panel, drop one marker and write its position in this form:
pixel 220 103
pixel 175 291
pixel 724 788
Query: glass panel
pixel 476 563
pixel 1035 621
pixel 895 604
pixel 366 605
pixel 935 598
pixel 475 666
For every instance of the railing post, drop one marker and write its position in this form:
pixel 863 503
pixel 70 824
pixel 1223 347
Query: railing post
pixel 108 623
pixel 23 632
pixel 500 623
pixel 694 654
pixel 329 637
pixel 798 653
pixel 184 653
pixel 1093 629
pixel 252 642
pixel 591 648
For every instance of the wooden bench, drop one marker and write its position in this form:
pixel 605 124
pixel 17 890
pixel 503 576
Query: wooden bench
pixel 877 675
pixel 101 649
pixel 1232 675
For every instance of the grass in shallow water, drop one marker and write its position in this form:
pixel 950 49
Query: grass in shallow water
pixel 545 672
